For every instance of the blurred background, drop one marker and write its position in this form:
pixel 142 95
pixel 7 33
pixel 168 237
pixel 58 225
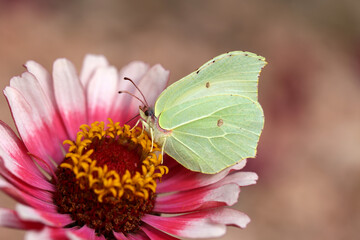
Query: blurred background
pixel 309 154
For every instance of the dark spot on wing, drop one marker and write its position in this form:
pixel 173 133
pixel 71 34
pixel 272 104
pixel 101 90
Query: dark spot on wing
pixel 197 72
pixel 207 85
pixel 213 61
pixel 246 54
pixel 220 122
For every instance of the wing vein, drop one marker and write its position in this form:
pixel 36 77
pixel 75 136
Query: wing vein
pixel 199 118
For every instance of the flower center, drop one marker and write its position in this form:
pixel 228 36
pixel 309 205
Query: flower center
pixel 107 180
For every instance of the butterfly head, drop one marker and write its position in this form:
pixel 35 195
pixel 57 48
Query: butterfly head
pixel 146 112
pixel 147 115
pixel 149 112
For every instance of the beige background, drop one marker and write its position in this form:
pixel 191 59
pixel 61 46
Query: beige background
pixel 309 155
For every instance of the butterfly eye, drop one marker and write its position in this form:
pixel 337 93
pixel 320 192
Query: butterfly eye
pixel 149 112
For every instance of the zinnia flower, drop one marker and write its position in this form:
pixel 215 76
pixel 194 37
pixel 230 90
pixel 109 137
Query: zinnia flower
pixel 79 172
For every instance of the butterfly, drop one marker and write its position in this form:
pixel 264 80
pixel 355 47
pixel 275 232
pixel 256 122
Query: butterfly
pixel 210 119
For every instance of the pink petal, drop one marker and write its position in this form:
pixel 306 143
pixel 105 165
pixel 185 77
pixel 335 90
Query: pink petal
pixel 85 233
pixel 43 77
pixel 72 236
pixel 36 86
pixel 69 95
pixel 206 197
pixel 203 224
pixel 32 124
pixel 9 218
pixel 131 236
pixel 34 202
pixel 14 159
pixel 90 64
pixel 45 217
pixel 239 178
pixel 101 94
pixel 180 178
pixel 138 236
pixel 120 236
pixel 47 233
pixel 21 188
pixel 155 234
pixel 31 201
pixel 52 115
pixel 152 84
pixel 135 71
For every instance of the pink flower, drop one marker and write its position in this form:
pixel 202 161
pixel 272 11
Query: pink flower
pixel 82 198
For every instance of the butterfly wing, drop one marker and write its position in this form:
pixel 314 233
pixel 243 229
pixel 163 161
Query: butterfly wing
pixel 212 133
pixel 230 73
pixel 213 114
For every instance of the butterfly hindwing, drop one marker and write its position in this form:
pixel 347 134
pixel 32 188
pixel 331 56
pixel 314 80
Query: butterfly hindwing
pixel 212 133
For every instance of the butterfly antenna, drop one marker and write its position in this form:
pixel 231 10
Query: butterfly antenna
pixel 144 103
pixel 128 79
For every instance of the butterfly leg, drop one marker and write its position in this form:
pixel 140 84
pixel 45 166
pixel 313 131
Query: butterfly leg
pixel 152 139
pixel 136 124
pixel 162 151
pixel 142 126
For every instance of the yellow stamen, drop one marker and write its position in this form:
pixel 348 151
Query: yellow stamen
pixel 107 182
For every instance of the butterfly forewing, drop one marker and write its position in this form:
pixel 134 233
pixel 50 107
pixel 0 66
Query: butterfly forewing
pixel 230 73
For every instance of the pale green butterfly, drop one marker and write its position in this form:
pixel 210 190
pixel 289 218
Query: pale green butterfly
pixel 210 119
